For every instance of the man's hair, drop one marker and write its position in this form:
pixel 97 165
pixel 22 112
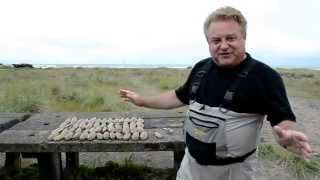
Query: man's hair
pixel 226 13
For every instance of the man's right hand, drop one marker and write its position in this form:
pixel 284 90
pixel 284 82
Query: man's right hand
pixel 166 100
pixel 131 96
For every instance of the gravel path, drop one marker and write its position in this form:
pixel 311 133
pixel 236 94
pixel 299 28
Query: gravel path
pixel 307 112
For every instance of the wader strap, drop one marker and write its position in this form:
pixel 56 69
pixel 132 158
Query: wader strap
pixel 199 77
pixel 219 161
pixel 229 95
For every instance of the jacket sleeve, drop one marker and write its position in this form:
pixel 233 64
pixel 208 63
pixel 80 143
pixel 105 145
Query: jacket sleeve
pixel 279 108
pixel 183 92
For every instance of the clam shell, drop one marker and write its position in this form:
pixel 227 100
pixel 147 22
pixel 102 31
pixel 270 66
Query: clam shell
pixel 135 136
pixel 158 135
pixel 99 136
pixel 143 135
pixel 126 136
pixel 106 135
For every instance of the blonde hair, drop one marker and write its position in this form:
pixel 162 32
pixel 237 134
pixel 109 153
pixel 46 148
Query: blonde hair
pixel 226 13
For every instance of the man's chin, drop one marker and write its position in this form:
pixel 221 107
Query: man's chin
pixel 225 63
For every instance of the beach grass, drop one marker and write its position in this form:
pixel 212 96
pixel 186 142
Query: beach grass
pixel 80 89
pixel 296 166
pixel 303 83
pixel 96 89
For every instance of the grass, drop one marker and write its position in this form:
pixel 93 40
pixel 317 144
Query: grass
pixel 280 158
pixel 302 83
pixel 300 168
pixel 79 89
pixel 28 173
pixel 91 90
pixel 110 171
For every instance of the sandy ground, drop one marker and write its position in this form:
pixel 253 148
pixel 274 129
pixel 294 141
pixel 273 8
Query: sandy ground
pixel 307 112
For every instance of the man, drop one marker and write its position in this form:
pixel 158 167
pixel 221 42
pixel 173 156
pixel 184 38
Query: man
pixel 228 101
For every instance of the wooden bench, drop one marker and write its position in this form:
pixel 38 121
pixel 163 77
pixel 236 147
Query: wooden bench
pixel 30 137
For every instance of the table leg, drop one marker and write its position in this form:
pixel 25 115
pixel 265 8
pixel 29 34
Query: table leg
pixel 50 166
pixel 12 162
pixel 72 164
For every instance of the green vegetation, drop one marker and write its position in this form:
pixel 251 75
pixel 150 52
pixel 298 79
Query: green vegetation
pixel 110 171
pixel 280 158
pixel 302 83
pixel 298 167
pixel 79 89
pixel 31 172
pixel 91 90
pixel 4 66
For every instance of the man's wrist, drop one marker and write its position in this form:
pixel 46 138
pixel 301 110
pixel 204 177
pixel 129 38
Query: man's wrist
pixel 141 102
pixel 287 125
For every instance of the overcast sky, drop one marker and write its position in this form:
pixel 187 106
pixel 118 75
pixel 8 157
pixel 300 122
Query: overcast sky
pixel 147 31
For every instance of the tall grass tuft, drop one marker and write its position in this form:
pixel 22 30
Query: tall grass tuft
pixel 300 168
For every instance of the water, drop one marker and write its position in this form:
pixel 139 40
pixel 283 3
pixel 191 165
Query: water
pixel 179 66
pixel 147 66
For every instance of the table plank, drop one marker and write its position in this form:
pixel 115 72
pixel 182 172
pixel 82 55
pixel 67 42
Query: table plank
pixel 31 135
pixel 36 141
pixel 7 120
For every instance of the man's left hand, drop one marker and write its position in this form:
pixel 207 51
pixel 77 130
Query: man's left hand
pixel 294 141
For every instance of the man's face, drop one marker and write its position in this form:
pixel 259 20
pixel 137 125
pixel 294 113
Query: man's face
pixel 226 43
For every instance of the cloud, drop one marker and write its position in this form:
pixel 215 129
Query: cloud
pixel 165 31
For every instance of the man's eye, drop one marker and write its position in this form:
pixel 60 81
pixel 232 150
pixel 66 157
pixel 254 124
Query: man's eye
pixel 215 41
pixel 230 39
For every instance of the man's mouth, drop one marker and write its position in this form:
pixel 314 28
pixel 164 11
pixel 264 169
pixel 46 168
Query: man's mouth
pixel 224 54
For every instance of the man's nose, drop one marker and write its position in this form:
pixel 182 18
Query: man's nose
pixel 224 44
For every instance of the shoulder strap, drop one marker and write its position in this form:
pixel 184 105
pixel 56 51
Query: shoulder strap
pixel 228 97
pixel 199 76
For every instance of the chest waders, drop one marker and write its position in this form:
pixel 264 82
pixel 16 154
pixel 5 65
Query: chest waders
pixel 216 135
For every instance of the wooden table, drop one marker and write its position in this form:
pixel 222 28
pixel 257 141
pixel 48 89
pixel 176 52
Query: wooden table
pixel 30 136
pixel 7 120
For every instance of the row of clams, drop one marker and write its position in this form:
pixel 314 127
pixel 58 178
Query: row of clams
pixel 74 128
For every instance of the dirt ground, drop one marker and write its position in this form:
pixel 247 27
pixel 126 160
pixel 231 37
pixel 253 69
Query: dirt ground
pixel 307 112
